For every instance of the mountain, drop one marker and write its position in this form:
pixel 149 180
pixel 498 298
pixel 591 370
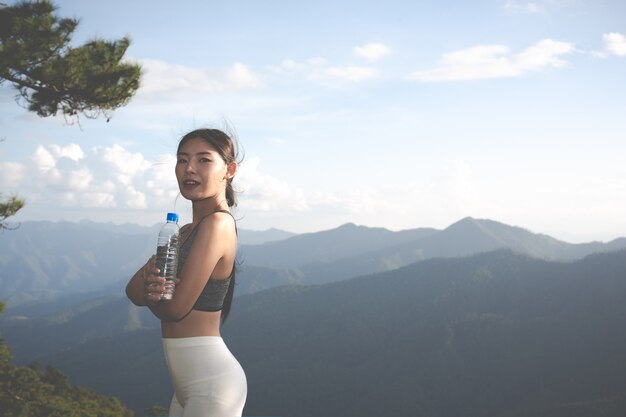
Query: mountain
pixel 470 235
pixel 43 261
pixel 495 334
pixel 465 237
pixel 126 228
pixel 76 318
pixel 72 326
pixel 258 237
pixel 326 246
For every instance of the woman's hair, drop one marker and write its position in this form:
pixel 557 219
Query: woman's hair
pixel 225 146
pixel 229 151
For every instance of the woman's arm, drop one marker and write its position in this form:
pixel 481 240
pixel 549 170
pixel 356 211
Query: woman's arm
pixel 214 241
pixel 145 288
pixel 138 289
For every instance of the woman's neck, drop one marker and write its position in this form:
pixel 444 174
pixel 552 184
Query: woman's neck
pixel 202 208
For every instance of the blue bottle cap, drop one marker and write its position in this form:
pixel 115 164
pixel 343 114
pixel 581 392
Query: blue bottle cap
pixel 172 217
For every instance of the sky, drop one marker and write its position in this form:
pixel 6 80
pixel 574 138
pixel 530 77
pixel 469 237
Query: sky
pixel 395 114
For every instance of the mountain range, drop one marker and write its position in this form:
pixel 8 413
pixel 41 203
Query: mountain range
pixel 43 261
pixel 493 334
pixel 478 319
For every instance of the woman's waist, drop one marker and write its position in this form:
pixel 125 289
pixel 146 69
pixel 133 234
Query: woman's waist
pixel 196 324
pixel 173 342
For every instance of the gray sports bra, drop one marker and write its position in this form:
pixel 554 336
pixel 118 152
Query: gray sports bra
pixel 215 290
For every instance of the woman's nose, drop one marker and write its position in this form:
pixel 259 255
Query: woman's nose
pixel 189 167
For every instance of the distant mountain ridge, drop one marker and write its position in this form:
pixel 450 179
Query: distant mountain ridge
pixel 42 261
pixel 259 237
pixel 466 237
pixel 326 246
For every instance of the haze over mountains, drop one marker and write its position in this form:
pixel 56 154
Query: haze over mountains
pixel 42 261
pixel 478 319
pixel 46 261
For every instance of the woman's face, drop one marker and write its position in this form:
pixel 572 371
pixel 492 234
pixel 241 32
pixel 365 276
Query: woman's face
pixel 200 170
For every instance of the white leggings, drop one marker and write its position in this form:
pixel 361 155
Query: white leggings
pixel 208 381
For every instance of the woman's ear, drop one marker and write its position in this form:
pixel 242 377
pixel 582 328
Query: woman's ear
pixel 231 170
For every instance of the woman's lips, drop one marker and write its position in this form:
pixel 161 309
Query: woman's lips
pixel 188 184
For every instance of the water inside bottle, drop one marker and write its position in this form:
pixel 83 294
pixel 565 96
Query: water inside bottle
pixel 166 262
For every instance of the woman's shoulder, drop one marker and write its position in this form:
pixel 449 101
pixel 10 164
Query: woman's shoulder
pixel 217 221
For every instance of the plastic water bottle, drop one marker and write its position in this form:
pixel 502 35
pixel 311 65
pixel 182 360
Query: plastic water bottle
pixel 167 254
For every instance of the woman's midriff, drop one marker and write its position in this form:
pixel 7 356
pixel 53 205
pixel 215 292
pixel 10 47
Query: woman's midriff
pixel 197 323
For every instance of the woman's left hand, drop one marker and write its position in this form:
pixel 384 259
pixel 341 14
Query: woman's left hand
pixel 153 283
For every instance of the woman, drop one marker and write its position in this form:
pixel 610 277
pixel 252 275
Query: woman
pixel 207 379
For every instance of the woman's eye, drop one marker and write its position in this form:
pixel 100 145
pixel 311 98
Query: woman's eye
pixel 203 160
pixel 181 161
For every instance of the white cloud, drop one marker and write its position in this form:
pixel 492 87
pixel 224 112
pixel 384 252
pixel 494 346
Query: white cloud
pixel 125 164
pixel 318 69
pixel 354 201
pixel 160 182
pixel 450 194
pixel 98 199
pixel 351 73
pixel 241 77
pixel 615 43
pixel 135 199
pixel 71 151
pixel 289 65
pixel 43 159
pixel 104 178
pixel 80 179
pixel 372 51
pixel 317 61
pixel 10 174
pixel 263 192
pixel 173 80
pixel 453 191
pixel 496 61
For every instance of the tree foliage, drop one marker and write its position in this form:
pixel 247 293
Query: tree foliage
pixel 31 392
pixel 53 77
pixel 9 207
pixel 156 411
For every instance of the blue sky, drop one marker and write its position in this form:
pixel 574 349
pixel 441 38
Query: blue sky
pixel 396 114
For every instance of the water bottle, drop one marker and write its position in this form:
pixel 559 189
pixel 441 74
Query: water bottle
pixel 167 254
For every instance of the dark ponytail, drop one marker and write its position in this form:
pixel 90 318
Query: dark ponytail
pixel 231 198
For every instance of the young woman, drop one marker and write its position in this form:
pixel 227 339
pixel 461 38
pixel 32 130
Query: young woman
pixel 207 379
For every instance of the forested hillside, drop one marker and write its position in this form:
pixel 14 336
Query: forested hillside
pixel 494 334
pixel 32 391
